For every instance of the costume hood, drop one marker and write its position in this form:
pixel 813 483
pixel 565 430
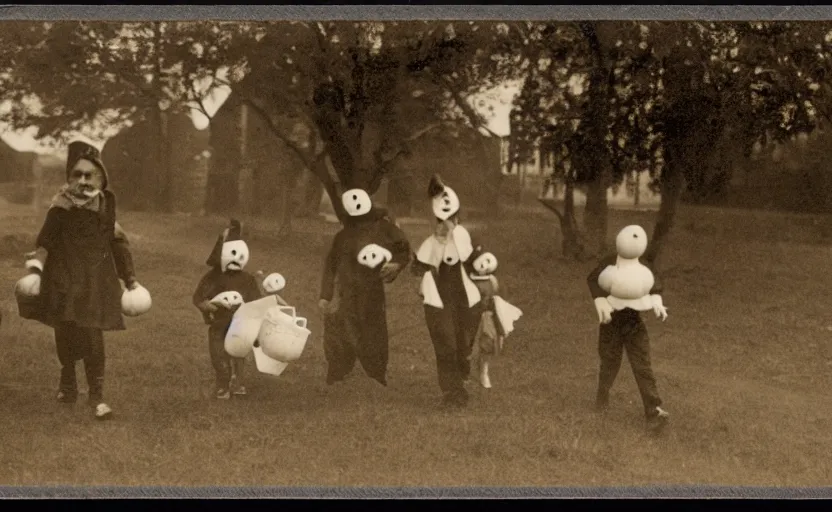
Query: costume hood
pixel 230 248
pixel 444 201
pixel 79 150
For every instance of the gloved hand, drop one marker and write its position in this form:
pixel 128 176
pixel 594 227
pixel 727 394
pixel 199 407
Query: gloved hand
pixel 658 307
pixel 604 309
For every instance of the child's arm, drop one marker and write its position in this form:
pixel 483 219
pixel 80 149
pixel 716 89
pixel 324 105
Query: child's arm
pixel 46 240
pixel 658 285
pixel 205 291
pixel 592 279
pixel 123 257
pixel 399 247
pixel 254 289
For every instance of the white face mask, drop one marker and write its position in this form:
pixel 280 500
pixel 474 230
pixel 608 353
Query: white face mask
pixel 485 264
pixel 446 204
pixel 356 202
pixel 234 255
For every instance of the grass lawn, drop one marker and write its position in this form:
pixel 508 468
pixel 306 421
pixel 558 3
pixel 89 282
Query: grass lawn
pixel 744 364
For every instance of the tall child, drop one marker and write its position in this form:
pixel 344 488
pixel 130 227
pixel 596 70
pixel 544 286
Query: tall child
pixel 451 301
pixel 81 253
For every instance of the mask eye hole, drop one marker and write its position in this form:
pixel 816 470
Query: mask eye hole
pixel 234 253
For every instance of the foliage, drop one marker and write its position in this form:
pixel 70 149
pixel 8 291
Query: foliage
pixel 77 75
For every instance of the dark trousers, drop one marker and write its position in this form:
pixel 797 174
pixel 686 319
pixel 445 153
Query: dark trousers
pixel 627 332
pixel 348 339
pixel 452 330
pixel 76 343
pixel 224 365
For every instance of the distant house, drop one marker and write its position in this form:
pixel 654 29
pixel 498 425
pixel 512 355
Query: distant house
pixel 15 166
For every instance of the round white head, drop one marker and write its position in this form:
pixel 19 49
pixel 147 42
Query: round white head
pixel 445 204
pixel 486 263
pixel 356 202
pixel 234 256
pixel 631 242
pixel 274 282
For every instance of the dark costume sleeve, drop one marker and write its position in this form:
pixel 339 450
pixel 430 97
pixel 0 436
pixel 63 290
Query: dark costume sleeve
pixel 592 280
pixel 399 247
pixel 48 236
pixel 205 291
pixel 123 257
pixel 658 285
pixel 469 263
pixel 417 268
pixel 252 290
pixel 331 267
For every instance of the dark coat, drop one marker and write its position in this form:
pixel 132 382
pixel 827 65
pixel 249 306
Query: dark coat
pixel 87 255
pixel 215 282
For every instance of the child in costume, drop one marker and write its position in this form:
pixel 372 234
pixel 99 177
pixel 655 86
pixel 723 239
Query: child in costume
pixel 368 252
pixel 622 287
pixel 220 291
pixel 81 254
pixel 497 318
pixel 450 299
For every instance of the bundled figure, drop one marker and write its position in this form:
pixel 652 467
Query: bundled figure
pixel 367 253
pixel 622 287
pixel 497 317
pixel 451 300
pixel 81 253
pixel 219 293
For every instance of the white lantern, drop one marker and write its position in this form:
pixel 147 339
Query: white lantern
pixel 28 286
pixel 136 302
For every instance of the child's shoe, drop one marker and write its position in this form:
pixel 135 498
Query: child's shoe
pixel 236 388
pixel 657 419
pixel 602 401
pixel 222 394
pixel 103 412
pixel 67 397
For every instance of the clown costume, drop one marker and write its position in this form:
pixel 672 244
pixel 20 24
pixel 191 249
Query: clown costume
pixel 451 301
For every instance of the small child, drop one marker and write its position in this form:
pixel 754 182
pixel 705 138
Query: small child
pixel 227 261
pixel 498 316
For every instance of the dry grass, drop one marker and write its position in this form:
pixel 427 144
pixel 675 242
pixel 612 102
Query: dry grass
pixel 744 364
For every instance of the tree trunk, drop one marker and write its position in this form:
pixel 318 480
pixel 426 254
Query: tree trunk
pixel 222 195
pixel 166 193
pixel 313 191
pixel 571 246
pixel 672 187
pixel 601 89
pixel 637 189
pixel 285 210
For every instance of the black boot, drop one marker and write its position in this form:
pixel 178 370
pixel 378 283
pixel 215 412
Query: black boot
pixel 68 387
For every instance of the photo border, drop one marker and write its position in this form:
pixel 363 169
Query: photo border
pixel 416 12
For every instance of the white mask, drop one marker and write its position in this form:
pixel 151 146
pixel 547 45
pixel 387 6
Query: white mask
pixel 235 255
pixel 356 202
pixel 446 204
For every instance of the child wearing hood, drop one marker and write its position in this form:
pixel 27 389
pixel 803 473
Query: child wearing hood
pixel 81 254
pixel 227 261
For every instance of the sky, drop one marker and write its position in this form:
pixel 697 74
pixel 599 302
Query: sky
pixel 500 99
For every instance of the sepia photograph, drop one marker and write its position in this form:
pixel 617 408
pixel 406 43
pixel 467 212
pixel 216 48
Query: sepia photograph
pixel 436 253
